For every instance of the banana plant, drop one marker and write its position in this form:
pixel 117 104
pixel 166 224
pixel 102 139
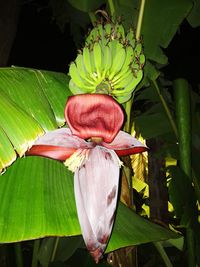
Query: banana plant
pixel 37 193
pixel 32 209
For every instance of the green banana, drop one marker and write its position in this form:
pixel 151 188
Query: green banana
pixel 131 38
pixel 142 60
pixel 75 89
pixel 107 61
pixel 118 60
pixel 122 99
pixel 86 59
pixel 111 61
pixel 113 44
pixel 91 37
pixel 124 81
pixel 97 54
pixel 118 57
pixel 82 70
pixel 73 72
pixel 132 85
pixel 126 66
pixel 101 34
pixel 135 67
pixel 138 49
pixel 120 33
pixel 88 63
pixel 108 29
pixel 122 78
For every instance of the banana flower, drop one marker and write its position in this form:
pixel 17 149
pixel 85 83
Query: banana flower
pixel 90 148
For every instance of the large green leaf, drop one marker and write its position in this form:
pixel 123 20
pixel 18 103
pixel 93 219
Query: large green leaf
pixel 38 200
pixel 132 229
pixel 160 23
pixel 18 128
pixel 194 18
pixel 31 102
pixel 153 125
pixel 7 153
pixel 42 94
pixel 86 5
pixel 66 246
pixel 128 10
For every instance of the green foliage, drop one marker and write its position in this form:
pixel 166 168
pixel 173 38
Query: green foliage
pixel 87 5
pixel 161 21
pixel 127 11
pixel 194 18
pixel 65 248
pixel 34 189
pixel 37 193
pixel 29 106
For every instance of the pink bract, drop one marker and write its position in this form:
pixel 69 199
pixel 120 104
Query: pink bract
pixel 94 115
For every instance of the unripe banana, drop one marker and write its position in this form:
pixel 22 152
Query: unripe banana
pixel 122 99
pixel 142 60
pixel 129 88
pixel 95 34
pixel 124 81
pixel 132 85
pixel 97 53
pixel 138 49
pixel 120 33
pixel 82 70
pixel 86 59
pixel 73 72
pixel 107 61
pixel 131 38
pixel 118 60
pixel 126 66
pixel 101 34
pixel 111 62
pixel 92 36
pixel 107 28
pixel 75 89
pixel 88 63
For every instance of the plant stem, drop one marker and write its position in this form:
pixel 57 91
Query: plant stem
pixel 196 184
pixel 190 247
pixel 112 8
pixel 128 106
pixel 18 255
pixel 163 254
pixel 140 19
pixel 185 137
pixel 182 101
pixel 183 116
pixel 54 249
pixel 168 113
pixel 35 253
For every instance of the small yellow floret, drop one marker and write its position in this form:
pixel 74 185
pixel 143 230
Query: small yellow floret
pixel 77 159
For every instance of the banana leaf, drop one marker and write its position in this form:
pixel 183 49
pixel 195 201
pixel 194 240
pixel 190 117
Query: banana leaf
pixel 31 102
pixel 37 200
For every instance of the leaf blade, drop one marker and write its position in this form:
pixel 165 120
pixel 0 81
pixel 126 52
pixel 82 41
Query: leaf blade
pixel 51 210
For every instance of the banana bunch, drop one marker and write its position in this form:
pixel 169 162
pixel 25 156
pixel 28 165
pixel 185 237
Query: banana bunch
pixel 111 62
